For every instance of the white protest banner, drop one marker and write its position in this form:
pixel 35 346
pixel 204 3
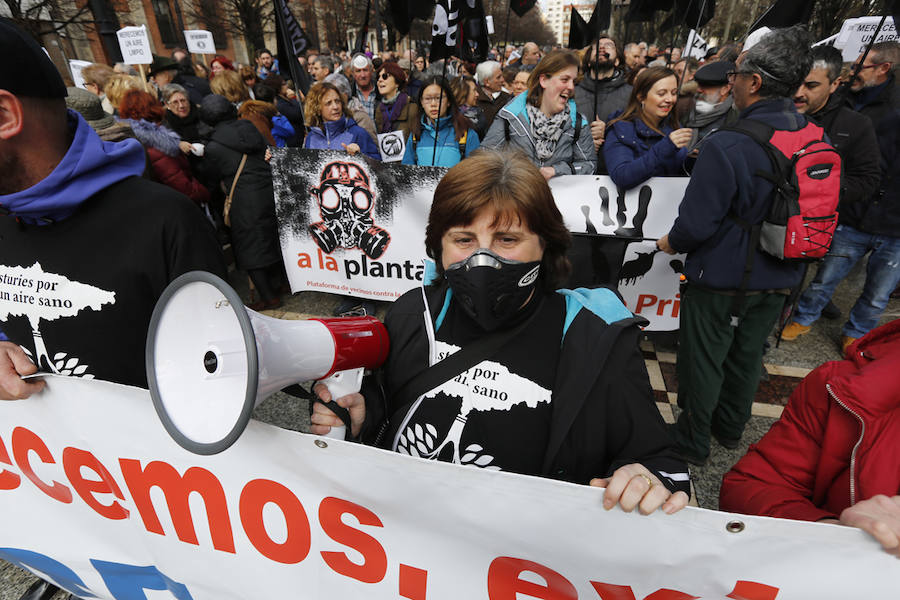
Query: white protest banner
pixel 392 145
pixel 856 34
pixel 75 66
pixel 135 45
pixel 696 46
pixel 199 41
pixel 350 225
pixel 95 497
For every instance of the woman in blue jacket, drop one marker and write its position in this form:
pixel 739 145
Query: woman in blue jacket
pixel 442 120
pixel 645 140
pixel 331 127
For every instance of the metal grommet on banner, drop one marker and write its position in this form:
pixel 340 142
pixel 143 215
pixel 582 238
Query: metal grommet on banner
pixel 734 526
pixel 321 443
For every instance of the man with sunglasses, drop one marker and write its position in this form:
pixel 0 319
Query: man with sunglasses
pixel 719 356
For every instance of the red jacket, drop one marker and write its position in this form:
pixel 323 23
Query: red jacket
pixel 838 441
pixel 175 172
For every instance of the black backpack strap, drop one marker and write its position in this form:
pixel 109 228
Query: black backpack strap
pixel 415 144
pixel 461 142
pixel 506 135
pixel 575 141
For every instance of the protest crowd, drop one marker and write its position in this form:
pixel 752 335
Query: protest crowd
pixel 128 183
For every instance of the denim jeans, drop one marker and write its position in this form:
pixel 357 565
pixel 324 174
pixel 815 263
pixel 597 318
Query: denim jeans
pixel 882 275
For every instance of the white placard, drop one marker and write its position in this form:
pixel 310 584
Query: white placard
pixel 96 497
pixel 76 66
pixel 856 34
pixel 135 45
pixel 392 145
pixel 489 19
pixel 199 41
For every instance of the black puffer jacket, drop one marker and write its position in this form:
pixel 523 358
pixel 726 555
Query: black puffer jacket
pixel 603 414
pixel 254 232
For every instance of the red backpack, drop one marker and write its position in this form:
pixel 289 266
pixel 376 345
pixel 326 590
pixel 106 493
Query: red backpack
pixel 806 173
pixel 800 223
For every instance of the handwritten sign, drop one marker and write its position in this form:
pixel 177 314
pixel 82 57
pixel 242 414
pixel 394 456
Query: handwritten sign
pixel 199 41
pixel 76 66
pixel 135 45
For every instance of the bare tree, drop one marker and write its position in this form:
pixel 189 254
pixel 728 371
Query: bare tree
pixel 246 19
pixel 41 17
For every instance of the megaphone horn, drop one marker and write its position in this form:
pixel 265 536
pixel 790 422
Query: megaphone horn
pixel 210 360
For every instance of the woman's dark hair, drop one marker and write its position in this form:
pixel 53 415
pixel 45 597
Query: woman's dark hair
pixel 460 123
pixel 396 71
pixel 274 81
pixel 508 185
pixel 215 109
pixel 550 65
pixel 645 80
pixel 263 92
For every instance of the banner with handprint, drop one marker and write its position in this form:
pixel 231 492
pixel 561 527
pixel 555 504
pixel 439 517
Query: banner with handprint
pixel 96 498
pixel 353 226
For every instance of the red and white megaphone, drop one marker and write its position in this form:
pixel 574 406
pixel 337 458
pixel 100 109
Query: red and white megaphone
pixel 210 360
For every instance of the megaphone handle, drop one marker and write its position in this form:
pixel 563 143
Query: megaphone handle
pixel 340 384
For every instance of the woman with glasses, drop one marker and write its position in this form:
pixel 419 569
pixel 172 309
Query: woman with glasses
pixel 442 136
pixel 331 126
pixel 544 123
pixel 645 140
pixel 394 109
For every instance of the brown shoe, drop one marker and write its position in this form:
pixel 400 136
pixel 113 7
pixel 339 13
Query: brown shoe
pixel 846 340
pixel 794 330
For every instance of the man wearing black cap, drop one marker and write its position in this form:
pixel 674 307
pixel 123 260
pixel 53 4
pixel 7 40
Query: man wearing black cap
pixel 86 244
pixel 164 71
pixel 713 107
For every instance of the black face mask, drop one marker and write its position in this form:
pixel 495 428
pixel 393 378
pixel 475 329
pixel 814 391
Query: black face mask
pixel 492 289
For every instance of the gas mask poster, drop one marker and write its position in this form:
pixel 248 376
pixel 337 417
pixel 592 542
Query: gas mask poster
pixel 350 225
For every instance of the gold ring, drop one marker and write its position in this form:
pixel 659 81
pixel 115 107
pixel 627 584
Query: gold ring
pixel 647 479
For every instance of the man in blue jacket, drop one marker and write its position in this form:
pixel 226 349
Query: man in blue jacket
pixel 719 357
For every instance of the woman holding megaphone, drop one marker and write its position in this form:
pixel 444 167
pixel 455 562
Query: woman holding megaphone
pixel 492 366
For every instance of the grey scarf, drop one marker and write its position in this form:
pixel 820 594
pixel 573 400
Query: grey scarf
pixel 546 130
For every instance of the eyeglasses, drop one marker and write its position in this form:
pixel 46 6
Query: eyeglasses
pixel 873 65
pixel 732 74
pixel 432 99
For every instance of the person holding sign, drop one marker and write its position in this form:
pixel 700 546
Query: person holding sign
pixel 442 125
pixel 393 108
pixel 645 141
pixel 491 366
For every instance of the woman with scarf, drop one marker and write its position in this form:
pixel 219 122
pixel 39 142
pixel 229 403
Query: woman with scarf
pixel 441 125
pixel 466 92
pixel 168 164
pixel 394 110
pixel 544 123
pixel 330 125
pixel 566 393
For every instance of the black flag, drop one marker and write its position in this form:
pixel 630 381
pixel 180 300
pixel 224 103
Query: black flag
pixel 599 19
pixel 578 30
pixel 520 7
pixel 642 10
pixel 445 29
pixel 364 31
pixel 292 42
pixel 785 13
pixel 402 13
pixel 474 36
pixel 695 13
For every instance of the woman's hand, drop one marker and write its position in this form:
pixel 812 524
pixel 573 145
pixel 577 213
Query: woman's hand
pixel 681 137
pixel 548 172
pixel 185 147
pixel 598 133
pixel 879 516
pixel 268 155
pixel 351 148
pixel 635 486
pixel 13 364
pixel 323 419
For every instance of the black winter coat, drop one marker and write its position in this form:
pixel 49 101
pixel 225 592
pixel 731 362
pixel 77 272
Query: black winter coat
pixel 853 136
pixel 254 231
pixel 603 414
pixel 197 88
